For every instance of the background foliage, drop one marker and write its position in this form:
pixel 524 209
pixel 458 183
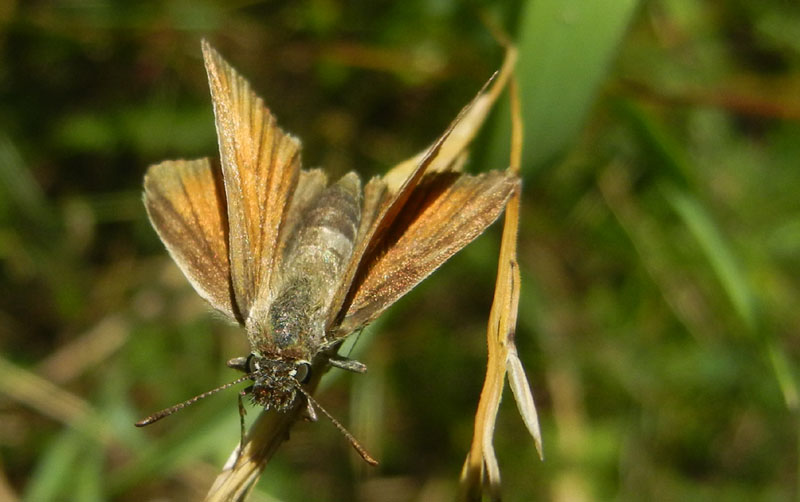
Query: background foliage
pixel 659 246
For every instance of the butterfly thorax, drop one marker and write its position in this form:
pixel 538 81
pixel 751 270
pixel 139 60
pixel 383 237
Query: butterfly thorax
pixel 313 263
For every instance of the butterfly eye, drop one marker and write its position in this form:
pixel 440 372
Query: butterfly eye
pixel 252 363
pixel 302 372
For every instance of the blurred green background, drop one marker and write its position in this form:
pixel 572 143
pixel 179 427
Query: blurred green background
pixel 660 246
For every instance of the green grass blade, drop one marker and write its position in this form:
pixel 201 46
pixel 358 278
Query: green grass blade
pixel 730 274
pixel 566 49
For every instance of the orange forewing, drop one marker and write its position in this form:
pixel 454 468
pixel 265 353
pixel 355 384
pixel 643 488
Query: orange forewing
pixel 260 166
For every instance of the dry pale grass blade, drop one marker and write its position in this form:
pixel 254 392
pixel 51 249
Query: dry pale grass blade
pixel 450 155
pixel 245 466
pixel 481 463
pixel 86 351
pixel 516 373
pixel 518 381
pixel 50 400
pixel 246 463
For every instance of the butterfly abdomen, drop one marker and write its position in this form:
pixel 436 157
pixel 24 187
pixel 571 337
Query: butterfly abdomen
pixel 323 242
pixel 313 265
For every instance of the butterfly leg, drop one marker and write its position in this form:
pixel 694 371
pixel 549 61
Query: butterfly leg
pixel 242 413
pixel 347 364
pixel 310 414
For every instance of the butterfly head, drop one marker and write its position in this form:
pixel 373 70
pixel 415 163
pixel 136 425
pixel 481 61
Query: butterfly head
pixel 276 382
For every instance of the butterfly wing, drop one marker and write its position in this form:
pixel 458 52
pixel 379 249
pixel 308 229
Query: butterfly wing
pixel 384 198
pixel 445 212
pixel 260 167
pixel 185 201
pixel 371 283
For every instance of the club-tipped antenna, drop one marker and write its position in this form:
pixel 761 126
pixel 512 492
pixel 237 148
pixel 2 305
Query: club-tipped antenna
pixel 155 417
pixel 353 441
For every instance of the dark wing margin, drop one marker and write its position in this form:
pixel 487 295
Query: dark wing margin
pixel 185 201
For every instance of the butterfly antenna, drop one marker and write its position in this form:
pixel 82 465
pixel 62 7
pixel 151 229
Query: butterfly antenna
pixel 353 441
pixel 155 417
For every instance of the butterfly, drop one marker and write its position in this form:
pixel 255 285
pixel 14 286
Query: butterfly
pixel 297 260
